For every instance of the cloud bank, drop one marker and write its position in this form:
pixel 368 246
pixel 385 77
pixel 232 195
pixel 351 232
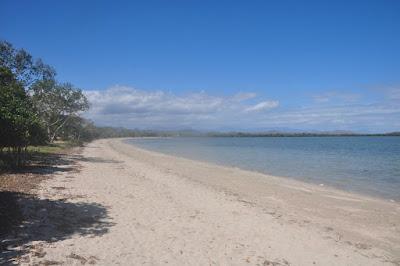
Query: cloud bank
pixel 130 107
pixel 134 108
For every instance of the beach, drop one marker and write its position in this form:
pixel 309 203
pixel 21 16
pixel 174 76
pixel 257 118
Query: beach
pixel 130 206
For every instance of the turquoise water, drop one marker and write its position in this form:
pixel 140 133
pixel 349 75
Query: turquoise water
pixel 368 165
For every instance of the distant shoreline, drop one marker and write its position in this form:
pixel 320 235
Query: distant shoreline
pixel 113 132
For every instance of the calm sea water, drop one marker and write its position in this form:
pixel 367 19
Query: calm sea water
pixel 368 165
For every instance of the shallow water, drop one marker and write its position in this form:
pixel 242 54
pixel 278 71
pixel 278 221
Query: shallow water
pixel 368 165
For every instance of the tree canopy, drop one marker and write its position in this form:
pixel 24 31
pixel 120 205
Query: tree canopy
pixel 34 107
pixel 57 103
pixel 25 69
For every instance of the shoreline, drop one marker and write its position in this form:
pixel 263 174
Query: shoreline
pixel 163 208
pixel 295 180
pixel 367 185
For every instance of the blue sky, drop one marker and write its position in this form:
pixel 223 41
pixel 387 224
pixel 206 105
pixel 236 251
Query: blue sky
pixel 246 65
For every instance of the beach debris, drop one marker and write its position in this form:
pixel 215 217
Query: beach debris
pixel 50 262
pixel 37 250
pixel 77 257
pixel 83 260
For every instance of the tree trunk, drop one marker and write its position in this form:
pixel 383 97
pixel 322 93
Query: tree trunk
pixel 53 136
pixel 18 156
pixel 48 132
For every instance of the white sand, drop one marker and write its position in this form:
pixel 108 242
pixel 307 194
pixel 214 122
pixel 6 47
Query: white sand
pixel 163 209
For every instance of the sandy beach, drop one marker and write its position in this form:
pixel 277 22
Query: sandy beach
pixel 130 206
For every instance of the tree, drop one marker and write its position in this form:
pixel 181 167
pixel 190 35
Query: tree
pixel 57 104
pixel 34 108
pixel 24 68
pixel 79 129
pixel 19 123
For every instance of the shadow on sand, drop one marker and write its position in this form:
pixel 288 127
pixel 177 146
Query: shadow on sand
pixel 47 164
pixel 97 160
pixel 46 220
pixel 44 164
pixel 24 217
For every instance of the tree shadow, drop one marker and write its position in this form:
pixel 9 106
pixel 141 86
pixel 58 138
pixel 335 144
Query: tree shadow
pixel 45 220
pixel 97 160
pixel 43 163
pixel 51 163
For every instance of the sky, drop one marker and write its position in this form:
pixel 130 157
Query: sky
pixel 221 65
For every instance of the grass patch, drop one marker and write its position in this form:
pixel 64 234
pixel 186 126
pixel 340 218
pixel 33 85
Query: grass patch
pixel 56 147
pixel 33 154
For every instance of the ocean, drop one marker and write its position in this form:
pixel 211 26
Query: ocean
pixel 366 165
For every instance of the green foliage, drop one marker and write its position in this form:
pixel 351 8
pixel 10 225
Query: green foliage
pixel 34 108
pixel 56 147
pixel 18 121
pixel 23 67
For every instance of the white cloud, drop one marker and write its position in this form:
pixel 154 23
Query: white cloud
pixel 394 93
pixel 243 96
pixel 134 108
pixel 129 107
pixel 379 117
pixel 125 100
pixel 262 106
pixel 332 96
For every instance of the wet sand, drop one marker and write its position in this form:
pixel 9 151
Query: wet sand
pixel 163 209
